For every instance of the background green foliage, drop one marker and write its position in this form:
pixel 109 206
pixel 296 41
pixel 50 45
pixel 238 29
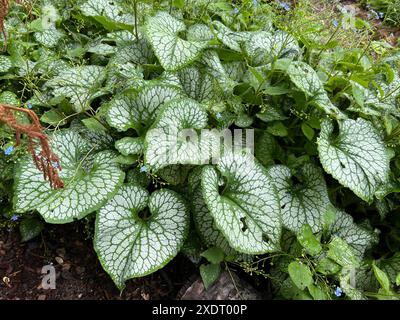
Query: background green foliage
pixel 390 8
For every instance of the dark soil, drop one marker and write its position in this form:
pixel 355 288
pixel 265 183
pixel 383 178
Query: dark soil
pixel 79 274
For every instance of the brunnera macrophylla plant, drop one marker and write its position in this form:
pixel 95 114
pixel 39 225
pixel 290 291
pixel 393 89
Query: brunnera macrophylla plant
pixel 138 97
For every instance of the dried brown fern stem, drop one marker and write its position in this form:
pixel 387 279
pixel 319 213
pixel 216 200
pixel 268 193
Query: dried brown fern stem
pixel 4 5
pixel 46 161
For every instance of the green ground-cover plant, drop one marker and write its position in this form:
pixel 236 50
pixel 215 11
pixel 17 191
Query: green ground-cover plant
pixel 113 80
pixel 388 10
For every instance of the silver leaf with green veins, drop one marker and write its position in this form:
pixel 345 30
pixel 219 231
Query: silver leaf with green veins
pixel 138 111
pixel 301 203
pixel 374 102
pixel 139 53
pixel 306 79
pixel 356 157
pixel 203 219
pixel 5 63
pixel 391 266
pixel 129 245
pixel 197 83
pixel 263 47
pixel 97 140
pixel 89 181
pixel 173 52
pixel 214 66
pixel 49 38
pixel 80 84
pixel 199 32
pixel 247 211
pixel 166 143
pixel 112 10
pixel 130 145
pixel 357 237
pixel 231 39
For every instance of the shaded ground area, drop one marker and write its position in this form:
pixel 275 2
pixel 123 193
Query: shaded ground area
pixel 78 272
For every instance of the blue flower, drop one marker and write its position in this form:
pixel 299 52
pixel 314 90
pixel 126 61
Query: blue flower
pixel 9 150
pixel 338 292
pixel 218 115
pixel 14 217
pixel 255 3
pixel 55 164
pixel 235 10
pixel 284 5
pixel 381 15
pixel 335 23
pixel 143 169
pixel 29 105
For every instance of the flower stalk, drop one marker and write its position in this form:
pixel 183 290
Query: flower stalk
pixel 45 160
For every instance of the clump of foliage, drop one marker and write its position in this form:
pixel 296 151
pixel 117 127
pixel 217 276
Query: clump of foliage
pixel 314 209
pixel 389 8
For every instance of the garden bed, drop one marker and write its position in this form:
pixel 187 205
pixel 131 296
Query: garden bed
pixel 79 275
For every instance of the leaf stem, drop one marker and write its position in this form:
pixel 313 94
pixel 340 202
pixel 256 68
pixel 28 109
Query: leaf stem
pixel 135 17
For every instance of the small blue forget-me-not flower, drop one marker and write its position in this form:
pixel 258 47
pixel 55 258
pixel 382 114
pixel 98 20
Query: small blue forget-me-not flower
pixel 335 23
pixel 235 10
pixel 29 105
pixel 255 3
pixel 143 169
pixel 218 115
pixel 284 5
pixel 338 292
pixel 9 150
pixel 14 217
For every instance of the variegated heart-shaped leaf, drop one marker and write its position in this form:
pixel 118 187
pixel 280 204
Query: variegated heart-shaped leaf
pixel 80 84
pixel 173 52
pixel 90 179
pixel 303 198
pixel 356 156
pixel 306 79
pixel 175 137
pixel 243 202
pixel 139 110
pixel 137 233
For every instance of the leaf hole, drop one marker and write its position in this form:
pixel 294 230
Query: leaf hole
pixel 283 206
pixel 244 224
pixel 265 238
pixel 222 185
pixel 335 131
